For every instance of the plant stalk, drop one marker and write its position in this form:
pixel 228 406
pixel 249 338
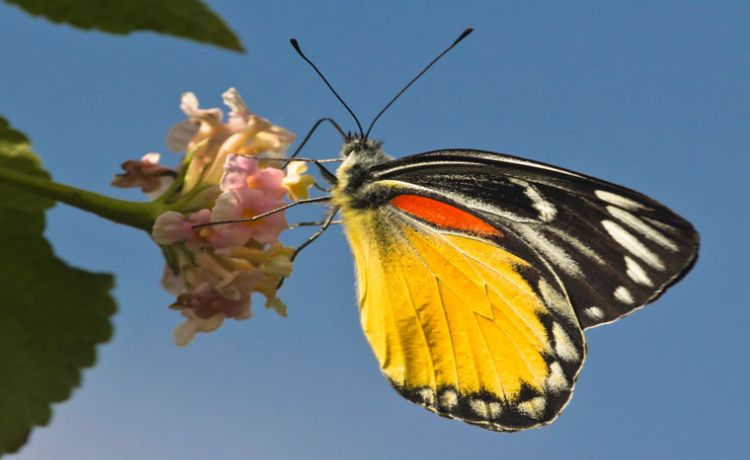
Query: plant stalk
pixel 132 213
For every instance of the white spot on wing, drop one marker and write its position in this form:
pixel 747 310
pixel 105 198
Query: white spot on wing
pixel 623 295
pixel 480 408
pixel 617 200
pixel 661 225
pixel 564 347
pixel 553 253
pixel 449 399
pixel 556 380
pixel 594 312
pixel 484 409
pixel 555 300
pixel 547 210
pixel 428 396
pixel 642 227
pixel 636 272
pixel 577 244
pixel 495 409
pixel 632 244
pixel 533 408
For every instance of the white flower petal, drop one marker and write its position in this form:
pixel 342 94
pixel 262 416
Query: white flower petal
pixel 151 157
pixel 170 227
pixel 185 332
pixel 234 101
pixel 164 183
pixel 179 135
pixel 189 104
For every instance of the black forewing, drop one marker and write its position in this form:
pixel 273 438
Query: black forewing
pixel 613 249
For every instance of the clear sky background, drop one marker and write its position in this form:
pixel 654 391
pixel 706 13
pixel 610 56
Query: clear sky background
pixel 651 95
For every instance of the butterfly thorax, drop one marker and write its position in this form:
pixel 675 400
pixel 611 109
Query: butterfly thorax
pixel 355 173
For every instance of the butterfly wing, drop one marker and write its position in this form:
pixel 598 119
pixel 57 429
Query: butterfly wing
pixel 612 249
pixel 463 318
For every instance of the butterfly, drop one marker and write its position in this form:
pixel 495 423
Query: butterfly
pixel 477 272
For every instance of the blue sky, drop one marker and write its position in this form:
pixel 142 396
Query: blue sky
pixel 651 95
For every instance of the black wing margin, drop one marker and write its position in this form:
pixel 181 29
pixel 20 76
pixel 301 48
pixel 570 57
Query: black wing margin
pixel 614 249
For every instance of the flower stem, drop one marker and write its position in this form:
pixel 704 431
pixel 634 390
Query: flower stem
pixel 131 213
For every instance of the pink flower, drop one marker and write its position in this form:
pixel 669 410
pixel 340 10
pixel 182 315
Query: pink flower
pixel 237 169
pixel 241 172
pixel 243 204
pixel 214 287
pixel 185 332
pixel 205 302
pixel 172 227
pixel 227 173
pixel 248 191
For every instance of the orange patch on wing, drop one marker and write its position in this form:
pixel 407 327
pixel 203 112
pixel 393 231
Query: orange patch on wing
pixel 443 215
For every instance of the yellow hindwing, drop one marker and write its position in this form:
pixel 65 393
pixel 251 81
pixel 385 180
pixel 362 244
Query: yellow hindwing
pixel 462 326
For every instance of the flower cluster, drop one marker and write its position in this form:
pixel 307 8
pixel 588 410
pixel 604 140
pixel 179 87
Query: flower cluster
pixel 230 172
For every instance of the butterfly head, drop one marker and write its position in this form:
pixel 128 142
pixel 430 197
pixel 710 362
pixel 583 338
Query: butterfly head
pixel 362 151
pixel 361 146
pixel 359 155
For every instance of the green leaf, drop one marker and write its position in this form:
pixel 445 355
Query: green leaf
pixel 52 315
pixel 190 19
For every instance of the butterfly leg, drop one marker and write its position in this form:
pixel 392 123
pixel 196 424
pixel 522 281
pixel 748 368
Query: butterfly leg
pixel 324 226
pixel 318 199
pixel 322 189
pixel 311 224
pixel 327 174
pixel 327 222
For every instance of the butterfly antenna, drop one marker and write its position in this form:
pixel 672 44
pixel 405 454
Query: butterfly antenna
pixel 296 47
pixel 463 35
